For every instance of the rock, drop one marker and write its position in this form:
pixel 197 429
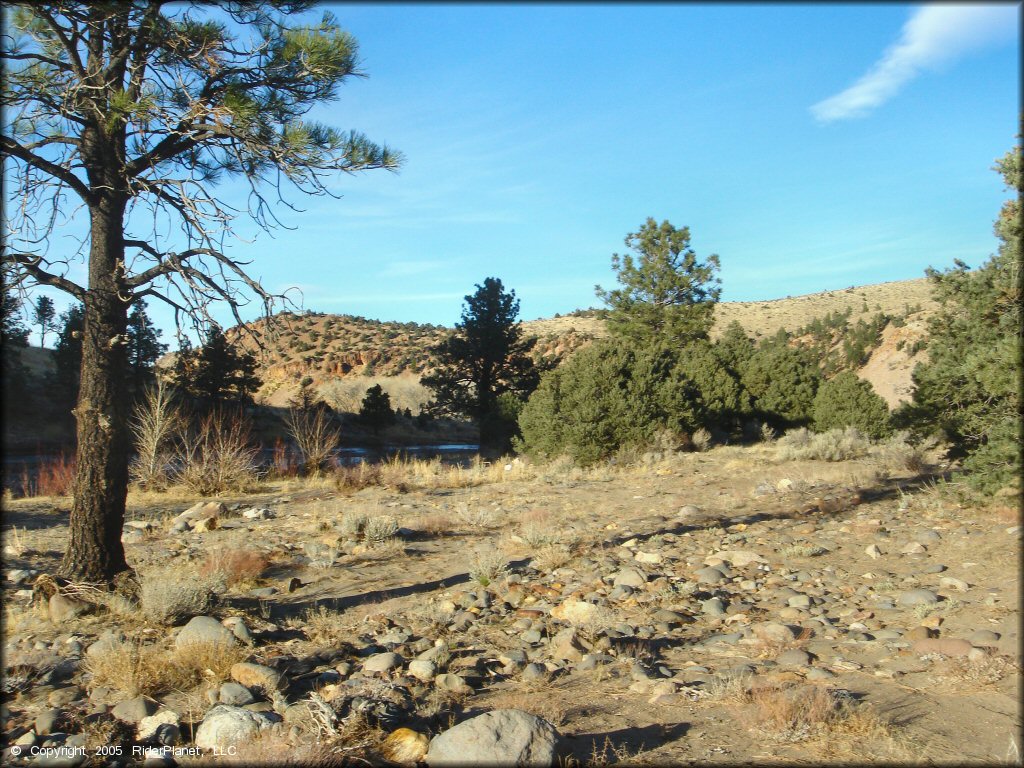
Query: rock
pixel 688 511
pixel 983 637
pixel 225 726
pixel 913 597
pixel 738 558
pixel 503 737
pixel 928 536
pixel 535 671
pixel 423 669
pixel 64 608
pixel 204 629
pixel 63 696
pixel 947 646
pixel 817 673
pixel 575 611
pixel 709 575
pixel 799 601
pixel 206 524
pixel 913 548
pixel 161 727
pixel 238 628
pixel 873 551
pixel 133 710
pixel 452 683
pixel 566 646
pixel 648 557
pixel 773 632
pixel 958 584
pixel 405 746
pixel 918 633
pixel 793 658
pixel 258 676
pixel 48 721
pixel 235 694
pixel 382 662
pixel 258 513
pixel 713 607
pixel 629 577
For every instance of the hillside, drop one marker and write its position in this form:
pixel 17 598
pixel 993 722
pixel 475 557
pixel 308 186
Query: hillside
pixel 342 355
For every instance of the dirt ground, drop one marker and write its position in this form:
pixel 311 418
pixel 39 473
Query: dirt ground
pixel 705 683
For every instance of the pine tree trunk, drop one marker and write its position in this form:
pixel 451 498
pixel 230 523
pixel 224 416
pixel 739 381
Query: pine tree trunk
pixel 94 551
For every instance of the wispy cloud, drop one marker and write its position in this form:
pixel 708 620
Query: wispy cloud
pixel 933 36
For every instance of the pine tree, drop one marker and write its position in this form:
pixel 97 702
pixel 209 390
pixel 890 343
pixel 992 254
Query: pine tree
pixel 144 347
pixel 482 359
pixel 67 359
pixel 217 373
pixel 43 315
pixel 667 294
pixel 375 410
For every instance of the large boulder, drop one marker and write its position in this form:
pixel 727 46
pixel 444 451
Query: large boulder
pixel 504 737
pixel 226 726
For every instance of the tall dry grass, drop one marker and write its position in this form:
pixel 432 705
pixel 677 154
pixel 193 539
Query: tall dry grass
pixel 156 423
pixel 218 455
pixel 315 435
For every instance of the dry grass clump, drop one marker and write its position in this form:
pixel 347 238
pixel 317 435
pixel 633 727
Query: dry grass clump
pixel 834 445
pixel 436 524
pixel 487 567
pixel 356 477
pixel 322 626
pixel 380 529
pixel 898 451
pixel 830 721
pixel 170 595
pixel 235 567
pixel 135 669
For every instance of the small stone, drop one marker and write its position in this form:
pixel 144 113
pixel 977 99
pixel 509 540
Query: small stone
pixel 63 696
pixel 873 551
pixel 405 746
pixel 688 511
pixel 161 727
pixel 64 608
pixel 204 629
pixel 48 721
pixel 258 676
pixel 235 694
pixel 575 611
pixel 534 671
pixel 452 683
pixel 914 597
pixel 799 601
pixel 382 662
pixel 913 548
pixel 629 577
pixel 928 536
pixel 774 632
pixel 423 670
pixel 958 584
pixel 793 658
pixel 818 673
pixel 984 638
pixel 713 607
pixel 133 710
pixel 947 646
pixel 709 575
pixel 238 628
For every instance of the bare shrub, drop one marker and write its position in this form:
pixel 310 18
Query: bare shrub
pixel 314 434
pixel 834 445
pixel 353 523
pixel 156 422
pixel 234 566
pixel 218 456
pixel 768 435
pixel 349 479
pixel 282 463
pixel 169 596
pixel 900 452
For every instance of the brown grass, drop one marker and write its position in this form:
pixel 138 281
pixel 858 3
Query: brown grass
pixel 237 567
pixel 135 669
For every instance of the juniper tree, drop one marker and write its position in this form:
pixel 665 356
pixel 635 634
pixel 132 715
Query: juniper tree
pixel 128 115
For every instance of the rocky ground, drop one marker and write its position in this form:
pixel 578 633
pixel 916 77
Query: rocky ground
pixel 716 607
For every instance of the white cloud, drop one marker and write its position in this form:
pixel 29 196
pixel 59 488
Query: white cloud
pixel 933 36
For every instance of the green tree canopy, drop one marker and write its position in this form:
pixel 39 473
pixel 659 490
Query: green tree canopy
pixel 43 314
pixel 667 294
pixel 144 347
pixel 848 401
pixel 486 356
pixel 216 374
pixel 969 389
pixel 375 410
pixel 67 358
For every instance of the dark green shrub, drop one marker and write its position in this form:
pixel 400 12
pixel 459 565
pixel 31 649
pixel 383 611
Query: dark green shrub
pixel 849 401
pixel 783 381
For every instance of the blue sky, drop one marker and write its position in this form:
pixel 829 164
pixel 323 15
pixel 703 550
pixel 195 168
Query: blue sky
pixel 811 147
